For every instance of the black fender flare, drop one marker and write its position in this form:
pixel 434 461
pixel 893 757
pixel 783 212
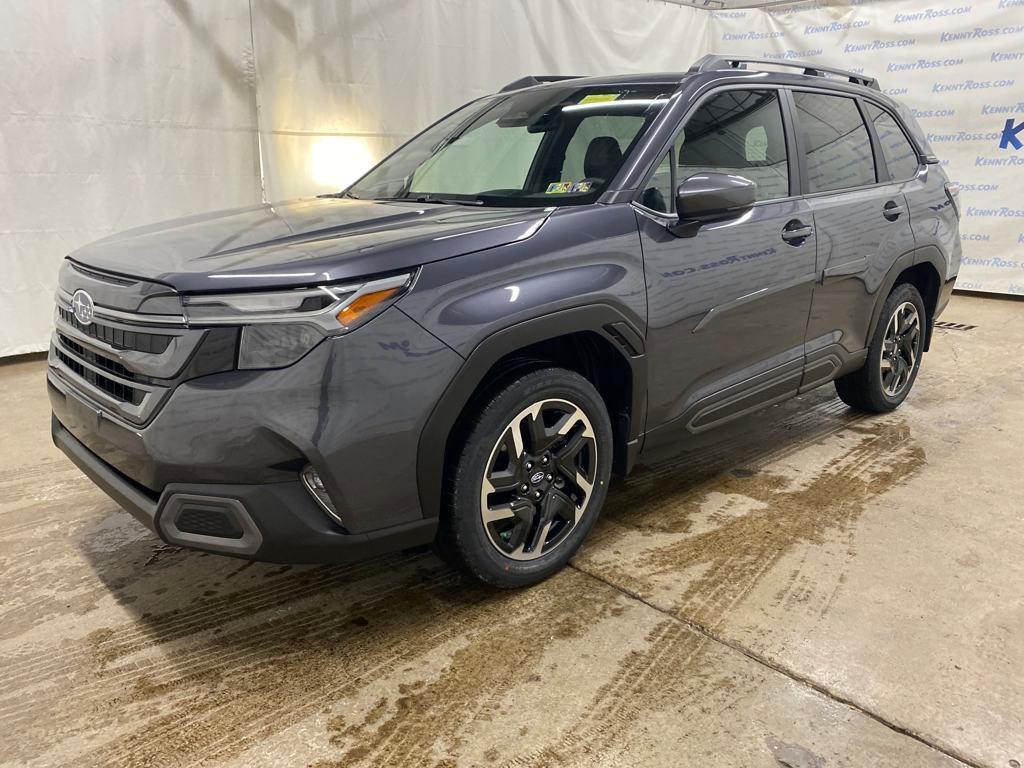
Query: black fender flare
pixel 924 254
pixel 603 319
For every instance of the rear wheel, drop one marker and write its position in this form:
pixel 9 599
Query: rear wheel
pixel 894 355
pixel 530 479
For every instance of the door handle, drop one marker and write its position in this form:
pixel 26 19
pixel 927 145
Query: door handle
pixel 892 210
pixel 795 232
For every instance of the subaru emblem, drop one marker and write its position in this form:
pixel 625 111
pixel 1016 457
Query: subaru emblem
pixel 82 307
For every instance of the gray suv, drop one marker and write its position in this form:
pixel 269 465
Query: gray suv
pixel 550 284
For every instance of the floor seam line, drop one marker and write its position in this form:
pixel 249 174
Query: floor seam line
pixel 782 670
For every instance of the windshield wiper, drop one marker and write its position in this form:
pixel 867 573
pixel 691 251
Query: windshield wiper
pixel 446 200
pixel 432 199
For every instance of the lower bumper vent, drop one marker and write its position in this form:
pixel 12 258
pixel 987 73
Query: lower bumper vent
pixel 216 523
pixel 208 522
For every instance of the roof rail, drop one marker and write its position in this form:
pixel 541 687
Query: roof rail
pixel 713 62
pixel 531 80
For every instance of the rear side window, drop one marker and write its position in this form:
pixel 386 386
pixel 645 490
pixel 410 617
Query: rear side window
pixel 738 132
pixel 836 141
pixel 900 156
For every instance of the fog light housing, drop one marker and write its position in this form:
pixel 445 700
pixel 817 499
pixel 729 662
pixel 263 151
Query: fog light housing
pixel 315 485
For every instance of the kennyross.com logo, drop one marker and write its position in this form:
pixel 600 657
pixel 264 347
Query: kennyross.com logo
pixel 1012 136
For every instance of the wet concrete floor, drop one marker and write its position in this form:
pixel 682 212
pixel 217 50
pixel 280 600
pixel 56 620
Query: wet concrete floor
pixel 813 588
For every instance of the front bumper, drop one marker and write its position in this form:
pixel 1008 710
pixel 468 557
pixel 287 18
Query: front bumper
pixel 277 522
pixel 353 407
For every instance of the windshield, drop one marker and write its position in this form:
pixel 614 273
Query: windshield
pixel 549 146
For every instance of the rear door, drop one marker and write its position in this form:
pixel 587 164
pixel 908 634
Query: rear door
pixel 861 222
pixel 728 305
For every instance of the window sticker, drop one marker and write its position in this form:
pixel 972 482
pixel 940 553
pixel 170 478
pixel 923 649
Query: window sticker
pixel 564 187
pixel 597 98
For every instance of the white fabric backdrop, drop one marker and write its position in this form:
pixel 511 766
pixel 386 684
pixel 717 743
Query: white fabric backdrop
pixel 342 84
pixel 119 112
pixel 113 114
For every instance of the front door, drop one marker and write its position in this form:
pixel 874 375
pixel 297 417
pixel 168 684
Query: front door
pixel 728 305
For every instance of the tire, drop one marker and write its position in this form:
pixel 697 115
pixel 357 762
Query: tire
pixel 891 368
pixel 527 506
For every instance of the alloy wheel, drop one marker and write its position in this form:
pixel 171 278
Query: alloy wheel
pixel 901 348
pixel 539 479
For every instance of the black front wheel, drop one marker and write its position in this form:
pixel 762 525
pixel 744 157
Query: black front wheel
pixel 530 479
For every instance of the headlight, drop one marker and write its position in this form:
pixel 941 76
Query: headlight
pixel 279 327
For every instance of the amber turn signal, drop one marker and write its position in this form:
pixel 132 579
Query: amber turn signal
pixel 365 304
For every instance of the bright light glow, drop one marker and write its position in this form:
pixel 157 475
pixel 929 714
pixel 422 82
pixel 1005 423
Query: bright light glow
pixel 606 104
pixel 337 161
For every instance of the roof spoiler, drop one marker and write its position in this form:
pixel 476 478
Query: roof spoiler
pixel 714 62
pixel 531 80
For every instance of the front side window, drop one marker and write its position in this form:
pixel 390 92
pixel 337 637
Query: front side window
pixel 900 156
pixel 836 141
pixel 549 146
pixel 658 194
pixel 738 132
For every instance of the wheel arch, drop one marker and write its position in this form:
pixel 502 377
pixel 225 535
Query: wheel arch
pixel 598 341
pixel 923 268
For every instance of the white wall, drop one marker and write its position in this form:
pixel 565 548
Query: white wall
pixel 342 84
pixel 114 113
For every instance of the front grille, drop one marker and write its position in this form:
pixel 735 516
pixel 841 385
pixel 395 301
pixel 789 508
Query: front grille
pixel 100 361
pixel 125 363
pixel 117 390
pixel 118 338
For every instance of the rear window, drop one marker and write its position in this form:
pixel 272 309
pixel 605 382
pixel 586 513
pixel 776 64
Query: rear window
pixel 900 156
pixel 836 141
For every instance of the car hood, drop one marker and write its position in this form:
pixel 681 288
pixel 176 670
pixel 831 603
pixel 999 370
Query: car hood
pixel 304 241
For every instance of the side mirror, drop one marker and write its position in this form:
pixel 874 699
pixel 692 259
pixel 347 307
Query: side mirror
pixel 712 196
